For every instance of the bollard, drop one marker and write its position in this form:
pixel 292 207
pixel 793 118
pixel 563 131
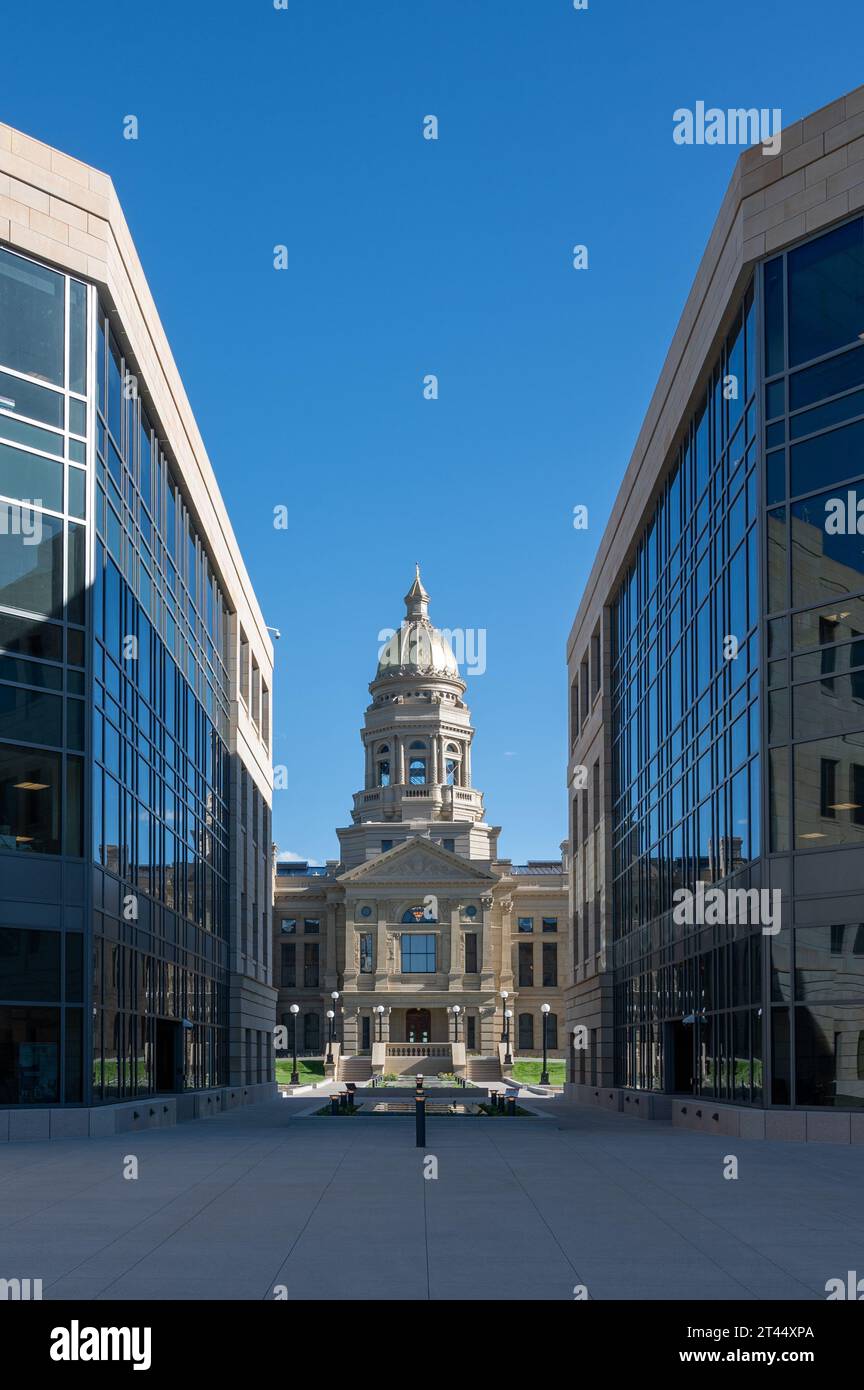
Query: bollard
pixel 334 1105
pixel 420 1117
pixel 511 1105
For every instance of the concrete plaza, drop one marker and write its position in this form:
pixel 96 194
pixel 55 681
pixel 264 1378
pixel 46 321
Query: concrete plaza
pixel 231 1208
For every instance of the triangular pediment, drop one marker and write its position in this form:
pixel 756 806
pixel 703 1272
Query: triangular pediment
pixel 418 860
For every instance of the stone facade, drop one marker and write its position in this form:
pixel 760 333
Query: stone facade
pixel 420 914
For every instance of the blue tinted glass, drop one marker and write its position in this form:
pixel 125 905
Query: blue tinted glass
pixel 829 458
pixel 839 373
pixel 826 293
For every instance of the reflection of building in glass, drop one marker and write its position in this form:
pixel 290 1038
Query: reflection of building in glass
pixel 740 764
pixel 134 686
pixel 420 915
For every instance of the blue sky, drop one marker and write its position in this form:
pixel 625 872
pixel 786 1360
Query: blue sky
pixel 406 256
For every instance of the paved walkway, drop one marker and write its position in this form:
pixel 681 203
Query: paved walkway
pixel 228 1208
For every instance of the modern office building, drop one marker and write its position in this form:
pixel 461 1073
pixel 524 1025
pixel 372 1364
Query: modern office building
pixel 135 679
pixel 716 668
pixel 426 937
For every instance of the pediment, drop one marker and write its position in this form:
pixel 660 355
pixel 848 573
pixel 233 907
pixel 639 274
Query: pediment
pixel 418 861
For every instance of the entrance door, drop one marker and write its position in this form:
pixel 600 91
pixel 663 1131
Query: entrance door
pixel 679 1058
pixel 366 1033
pixel 418 1025
pixel 169 1065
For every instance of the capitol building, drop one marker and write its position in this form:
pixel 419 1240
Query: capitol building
pixel 442 954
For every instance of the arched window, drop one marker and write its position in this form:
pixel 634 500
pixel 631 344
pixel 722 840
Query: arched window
pixel 385 748
pixel 383 772
pixel 421 913
pixel 311 1033
pixel 526 1032
pixel 452 765
pixel 416 764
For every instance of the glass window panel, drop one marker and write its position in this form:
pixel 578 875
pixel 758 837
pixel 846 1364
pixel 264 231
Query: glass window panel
pixel 77 416
pixel 775 468
pixel 77 565
pixel 825 415
pixel 827 459
pixel 19 432
pixel 778 597
pixel 823 563
pixel 29 964
pixel 31 638
pixel 30 715
pixel 29 1055
pixel 77 492
pixel 829 792
pixel 29 800
pixel 829 1055
pixel 26 398
pixel 418 953
pixel 826 292
pixel 31 478
pixel 26 672
pixel 31 565
pixel 826 379
pixel 77 337
pixel 774 353
pixel 31 318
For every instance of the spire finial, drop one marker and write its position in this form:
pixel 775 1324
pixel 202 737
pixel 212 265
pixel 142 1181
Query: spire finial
pixel 417 599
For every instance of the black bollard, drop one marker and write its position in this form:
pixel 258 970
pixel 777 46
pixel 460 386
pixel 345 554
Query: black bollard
pixel 334 1105
pixel 420 1117
pixel 511 1105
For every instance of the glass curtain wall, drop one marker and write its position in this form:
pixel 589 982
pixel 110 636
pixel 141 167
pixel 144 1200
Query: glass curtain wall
pixel 686 752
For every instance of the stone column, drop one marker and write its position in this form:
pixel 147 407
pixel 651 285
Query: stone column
pixel 466 764
pixel 435 770
pixel 330 962
pixel 457 968
pixel 487 960
pixel 398 761
pixel 380 962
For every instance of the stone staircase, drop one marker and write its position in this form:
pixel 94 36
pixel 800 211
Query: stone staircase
pixel 484 1069
pixel 355 1068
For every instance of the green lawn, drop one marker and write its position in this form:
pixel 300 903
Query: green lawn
pixel 309 1072
pixel 529 1071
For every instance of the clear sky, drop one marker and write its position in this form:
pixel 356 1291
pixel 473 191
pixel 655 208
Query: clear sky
pixel 303 127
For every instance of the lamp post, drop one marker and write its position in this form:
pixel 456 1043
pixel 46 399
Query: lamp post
pixel 544 1075
pixel 330 1015
pixel 380 1012
pixel 456 1011
pixel 295 1075
pixel 508 1056
pixel 335 997
pixel 505 995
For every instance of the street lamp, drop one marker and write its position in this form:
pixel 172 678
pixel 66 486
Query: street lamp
pixel 544 1075
pixel 380 1012
pixel 456 1011
pixel 505 995
pixel 508 1056
pixel 335 997
pixel 295 1075
pixel 331 1015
